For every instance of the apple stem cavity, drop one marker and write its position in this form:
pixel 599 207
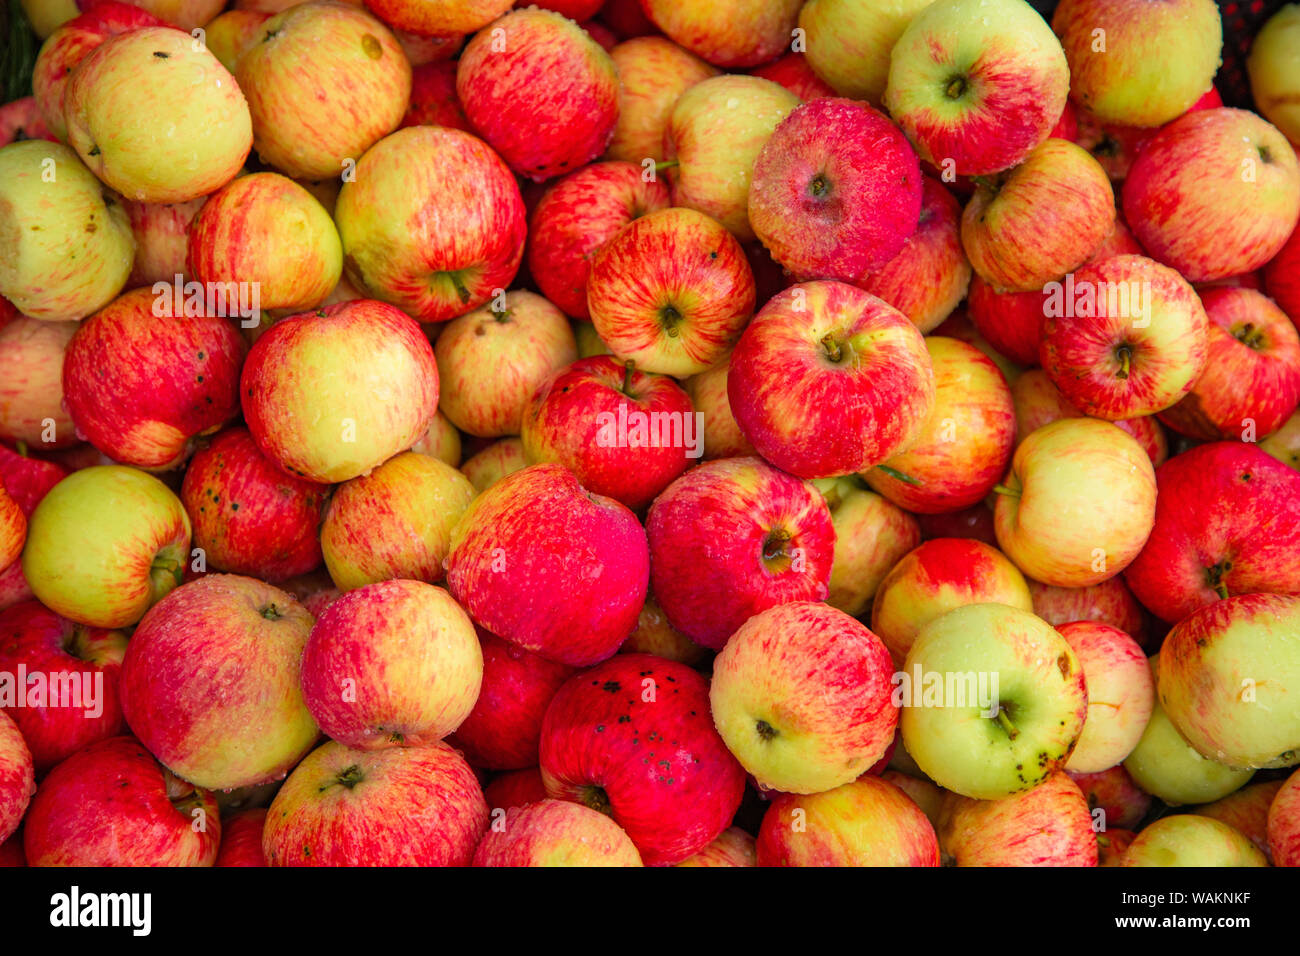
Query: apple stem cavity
pixel 832 347
pixel 596 798
pixel 765 730
pixel 348 778
pixel 1125 354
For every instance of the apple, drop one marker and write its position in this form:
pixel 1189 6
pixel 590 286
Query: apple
pixel 1010 321
pixel 733 847
pixel 47 15
pixel 829 380
pixel 920 791
pixel 106 543
pixel 570 594
pixel 248 516
pixel 825 211
pixel 78 702
pixel 801 695
pixel 395 522
pixel 1272 67
pixel 1227 677
pixel 1284 823
pixel 418 235
pixel 654 635
pixel 977 84
pixel 1151 62
pixel 441 440
pixel 392 664
pixel 777 547
pixel 1251 382
pixel 1246 811
pixel 1078 503
pixel 708 393
pixel 161 233
pixel 849 41
pixel 963 448
pixel 514 788
pixel 1183 192
pixel 937 577
pixel 541 91
pixel 322 415
pixel 1227 522
pixel 578 215
pixel 1048 825
pixel 53 265
pixel 1116 358
pixel 1040 220
pixel 1284 444
pixel 1120 690
pixel 402 806
pixel 714 135
pixel 241 839
pixel 653 72
pixel 556 833
pixel 31 386
pixel 975 522
pixel 727 33
pixel 792 71
pixel 20 119
pixel 930 274
pixel 501 458
pixel 1282 275
pixel 633 737
pixel 1114 799
pixel 871 535
pixel 438 17
pixel 231 34
pixel 1186 839
pixel 145 375
pixel 1106 602
pixel 1169 768
pixel 624 433
pixel 17 778
pixel 865 822
pixel 13 530
pixel 185 14
pixel 433 97
pixel 325 83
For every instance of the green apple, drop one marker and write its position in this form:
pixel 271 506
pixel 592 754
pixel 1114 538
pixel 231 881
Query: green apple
pixel 105 544
pixel 1188 840
pixel 871 535
pixel 994 700
pixel 46 16
pixel 849 41
pixel 1274 66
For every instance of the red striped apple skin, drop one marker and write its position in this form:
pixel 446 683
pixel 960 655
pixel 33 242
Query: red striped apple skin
pixel 438 17
pixel 543 563
pixel 577 216
pixel 734 537
pixel 433 97
pixel 1108 602
pixel 20 120
pixel 140 386
pixel 1120 690
pixel 17 777
pixel 793 72
pixel 1122 802
pixel 733 847
pixel 728 33
pixel 1246 811
pixel 1284 823
pixel 1282 277
pixel 1227 522
pixel 541 91
pixel 652 72
pixel 241 839
pixel 515 788
pixel 161 233
pixel 1048 825
pixel 404 806
pixel 113 804
pixel 248 515
pixel 633 737
pixel 13 529
pixel 556 833
pixel 867 822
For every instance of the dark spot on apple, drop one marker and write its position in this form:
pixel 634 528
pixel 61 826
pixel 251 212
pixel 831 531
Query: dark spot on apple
pixel 94 151
pixel 370 47
pixel 200 378
pixel 234 507
pixel 713 254
pixel 765 730
pixel 1246 477
pixel 202 356
pixel 1265 154
pixel 625 719
pixel 161 55
pixel 611 686
pixel 90 226
pixel 600 728
pixel 1063 662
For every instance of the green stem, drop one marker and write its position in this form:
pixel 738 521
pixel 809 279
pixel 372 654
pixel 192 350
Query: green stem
pixel 899 476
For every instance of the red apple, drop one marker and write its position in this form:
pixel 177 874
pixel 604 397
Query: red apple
pixel 1047 826
pixel 17 777
pixel 1246 811
pixel 727 33
pixel 1121 693
pixel 1284 823
pixel 1282 277
pixel 438 17
pixel 733 847
pixel 241 839
pixel 708 393
pixel 161 233
pixel 1108 602
pixel 433 97
pixel 652 72
pixel 793 72
pixel 556 833
pixel 501 458
pixel 515 788
pixel 21 119
pixel 1113 798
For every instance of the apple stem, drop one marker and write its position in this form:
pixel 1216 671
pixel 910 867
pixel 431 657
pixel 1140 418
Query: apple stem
pixel 1221 590
pixel 1004 490
pixel 628 367
pixel 1006 723
pixel 899 475
pixel 833 351
pixel 172 567
pixel 665 164
pixel 21 447
pixel 1124 354
pixel 459 286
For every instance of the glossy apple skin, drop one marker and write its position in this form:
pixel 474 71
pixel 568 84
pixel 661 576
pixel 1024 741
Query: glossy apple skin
pixel 413 191
pixel 503 729
pixel 441 440
pixel 654 635
pixel 653 72
pixel 866 822
pixel 392 664
pixel 241 839
pixel 230 34
pixel 930 274
pixel 940 575
pixel 433 97
pixel 1053 527
pixel 1282 275
pixel 556 833
pixel 515 788
pixel 634 737
pixel 113 804
pixel 578 215
pixel 13 530
pixel 778 546
pixel 1284 823
pixel 565 422
pixel 1252 374
pixel 1181 196
pixel 1015 81
pixel 501 458
pixel 1227 522
pixel 104 544
pixel 403 806
pixel 964 447
pixel 1122 802
pixel 1107 602
pixel 37 639
pixel 210 682
pixel 729 34
pixel 1011 321
pixel 848 43
pixel 1121 693
pixel 672 292
pixel 871 535
pixel 248 516
pixel 1246 811
pixel 440 17
pixel 801 695
pixel 1047 826
pixel 708 392
pixel 1205 664
pixel 161 233
pixel 328 83
pixel 1186 839
pixel 825 211
pixel 144 125
pixel 304 394
pixel 733 847
pixel 17 777
pixel 828 380
pixel 541 91
pixel 571 594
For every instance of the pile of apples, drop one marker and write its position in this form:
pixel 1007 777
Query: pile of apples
pixel 674 432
